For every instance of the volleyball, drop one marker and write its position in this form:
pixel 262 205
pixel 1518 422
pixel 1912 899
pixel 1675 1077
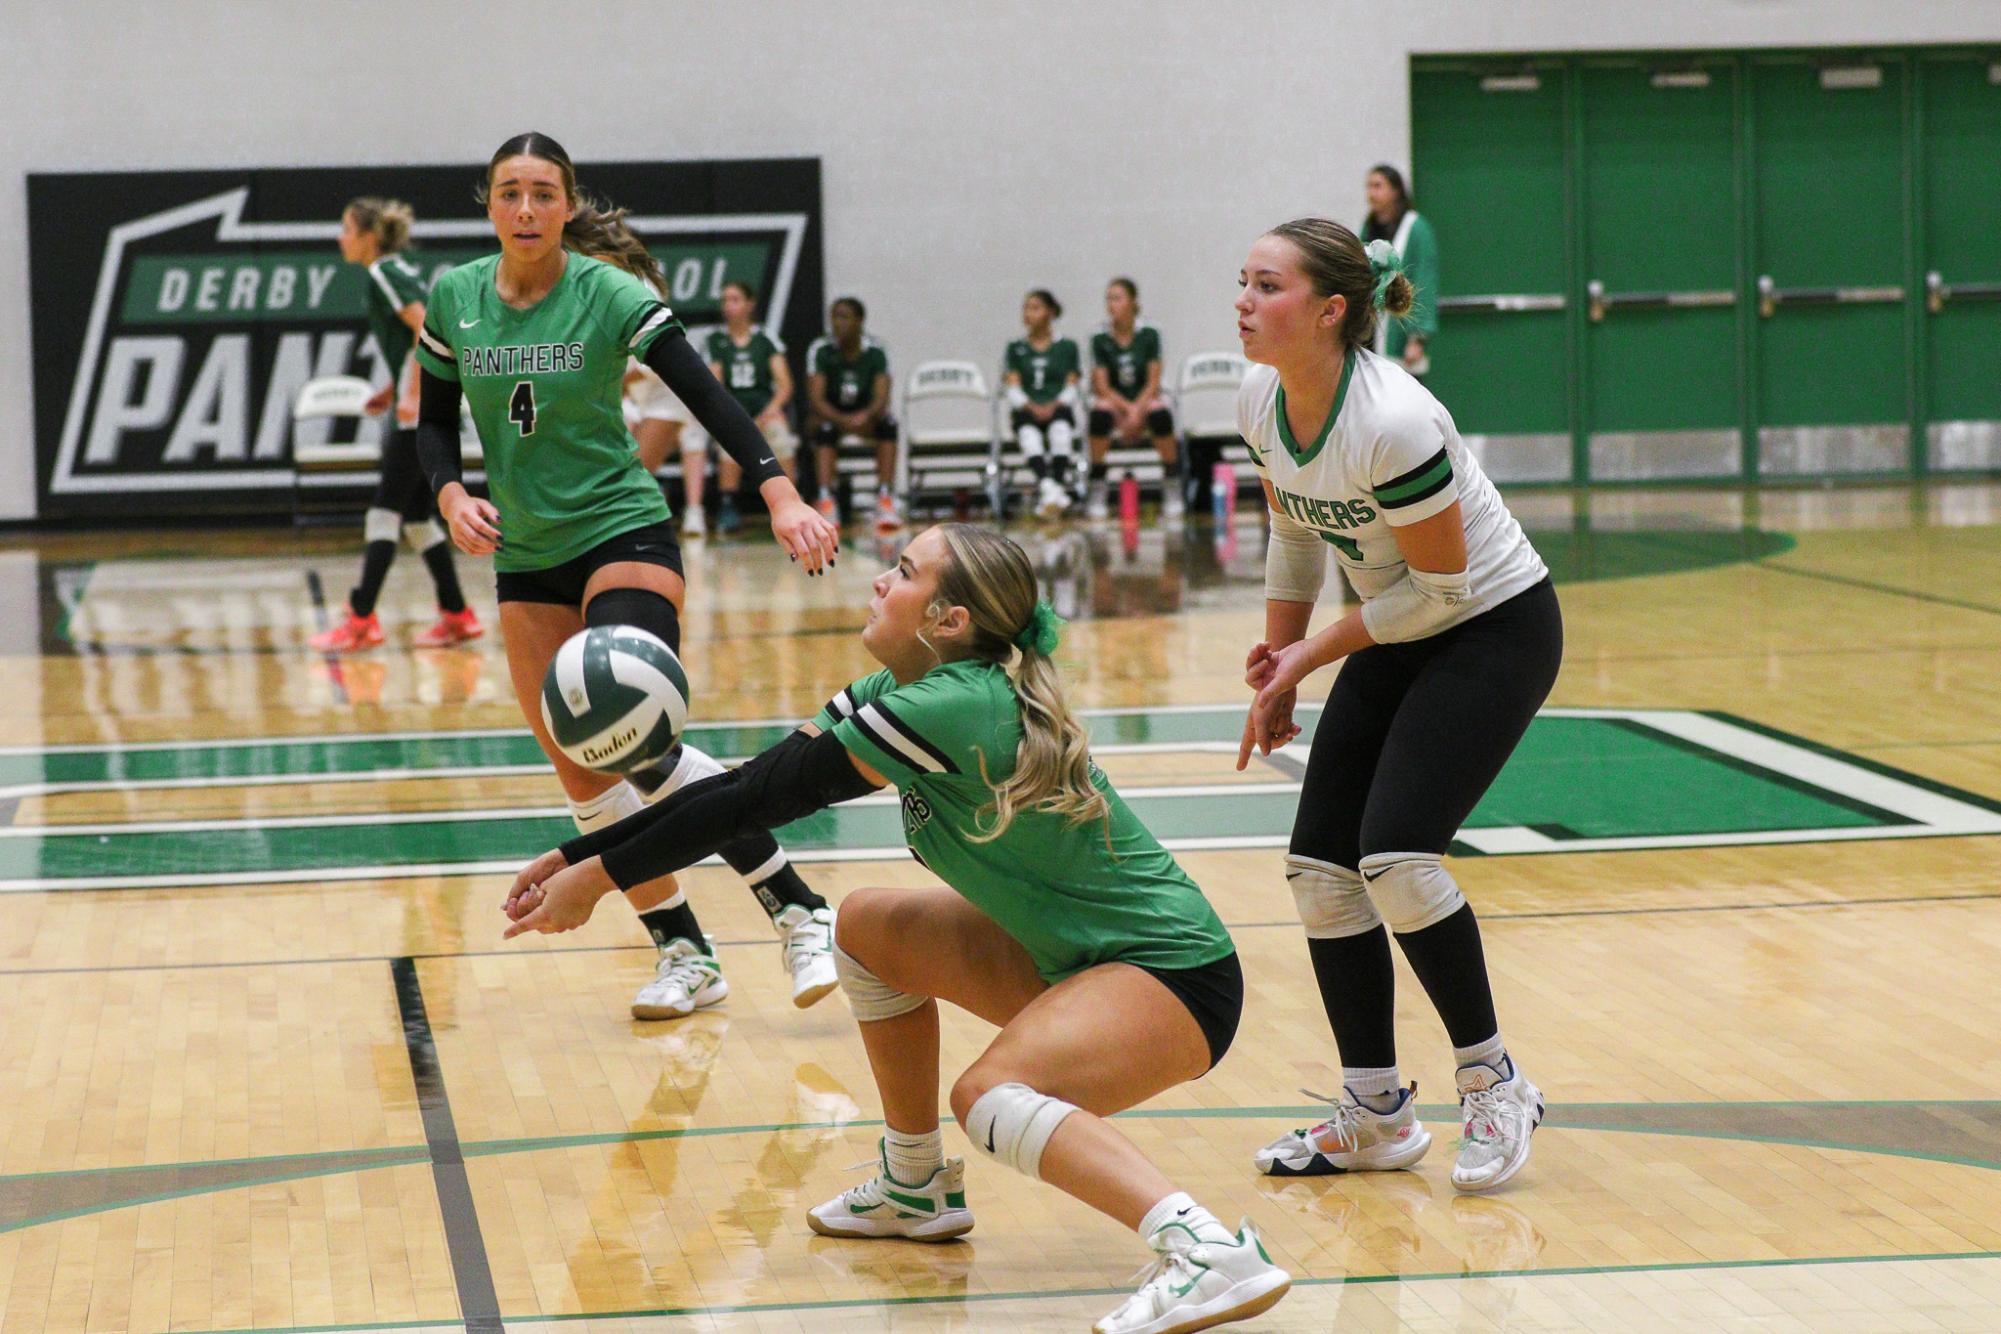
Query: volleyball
pixel 615 698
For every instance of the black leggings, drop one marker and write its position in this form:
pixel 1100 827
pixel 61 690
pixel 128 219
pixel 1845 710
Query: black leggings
pixel 402 486
pixel 1415 733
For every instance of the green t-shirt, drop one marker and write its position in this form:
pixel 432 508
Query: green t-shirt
pixel 747 367
pixel 393 283
pixel 1058 888
pixel 544 388
pixel 850 384
pixel 1125 365
pixel 1044 373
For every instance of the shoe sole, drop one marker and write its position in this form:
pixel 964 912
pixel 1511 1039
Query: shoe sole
pixel 1240 1307
pixel 949 1232
pixel 812 996
pixel 1320 1165
pixel 1509 1172
pixel 715 995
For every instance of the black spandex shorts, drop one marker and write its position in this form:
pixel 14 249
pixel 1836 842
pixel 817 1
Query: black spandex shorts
pixel 1213 993
pixel 563 585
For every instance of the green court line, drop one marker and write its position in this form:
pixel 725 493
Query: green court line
pixel 1060 1294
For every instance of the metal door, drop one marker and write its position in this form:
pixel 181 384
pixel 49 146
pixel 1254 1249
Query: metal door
pixel 1959 120
pixel 1489 171
pixel 1832 350
pixel 1659 206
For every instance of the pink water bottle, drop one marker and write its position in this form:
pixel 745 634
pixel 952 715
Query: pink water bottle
pixel 1223 490
pixel 1128 500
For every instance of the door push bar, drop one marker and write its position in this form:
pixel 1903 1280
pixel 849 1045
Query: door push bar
pixel 1506 301
pixel 1603 301
pixel 1771 296
pixel 1938 292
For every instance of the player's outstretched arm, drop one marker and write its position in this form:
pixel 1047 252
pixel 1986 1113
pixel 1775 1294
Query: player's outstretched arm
pixel 806 772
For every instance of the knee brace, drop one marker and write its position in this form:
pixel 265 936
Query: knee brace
pixel 1411 888
pixel 1062 431
pixel 1028 436
pixel 380 525
pixel 423 535
pixel 1333 901
pixel 1101 422
pixel 1013 1123
pixel 607 808
pixel 869 996
pixel 1160 422
pixel 642 607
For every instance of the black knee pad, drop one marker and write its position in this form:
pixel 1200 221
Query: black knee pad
pixel 826 436
pixel 1020 418
pixel 1101 422
pixel 885 429
pixel 1160 422
pixel 639 607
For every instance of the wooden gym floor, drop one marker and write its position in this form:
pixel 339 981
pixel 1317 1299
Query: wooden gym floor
pixel 266 1065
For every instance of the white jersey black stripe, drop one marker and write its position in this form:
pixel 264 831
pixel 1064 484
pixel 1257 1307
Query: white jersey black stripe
pixel 898 738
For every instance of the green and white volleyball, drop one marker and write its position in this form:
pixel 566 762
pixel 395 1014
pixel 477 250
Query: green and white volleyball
pixel 615 698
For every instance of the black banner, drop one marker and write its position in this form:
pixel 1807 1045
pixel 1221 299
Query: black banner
pixel 177 314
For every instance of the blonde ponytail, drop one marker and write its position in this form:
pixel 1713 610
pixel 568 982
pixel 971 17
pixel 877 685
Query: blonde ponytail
pixel 387 220
pixel 992 579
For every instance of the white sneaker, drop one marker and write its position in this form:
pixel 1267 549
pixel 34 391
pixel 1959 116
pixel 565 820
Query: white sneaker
pixel 1354 1139
pixel 1195 1284
pixel 885 1207
pixel 694 523
pixel 1052 499
pixel 1500 1116
pixel 809 951
pixel 1097 504
pixel 684 980
pixel 1173 508
pixel 888 514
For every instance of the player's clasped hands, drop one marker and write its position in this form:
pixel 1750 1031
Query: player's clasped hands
pixel 551 896
pixel 1276 677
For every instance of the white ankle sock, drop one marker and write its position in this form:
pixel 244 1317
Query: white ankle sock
pixel 1491 1052
pixel 913 1158
pixel 1376 1089
pixel 1180 1208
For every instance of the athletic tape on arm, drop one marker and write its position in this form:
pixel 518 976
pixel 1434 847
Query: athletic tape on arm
pixel 1421 603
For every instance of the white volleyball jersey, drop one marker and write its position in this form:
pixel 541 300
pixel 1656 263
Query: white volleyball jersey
pixel 1388 456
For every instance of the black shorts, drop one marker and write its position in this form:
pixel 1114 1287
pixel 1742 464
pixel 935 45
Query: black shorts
pixel 1213 993
pixel 563 585
pixel 827 436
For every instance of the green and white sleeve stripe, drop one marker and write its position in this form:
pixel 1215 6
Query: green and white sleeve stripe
pixel 1418 485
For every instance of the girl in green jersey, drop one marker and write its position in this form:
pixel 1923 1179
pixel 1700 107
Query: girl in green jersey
pixel 1062 921
pixel 537 339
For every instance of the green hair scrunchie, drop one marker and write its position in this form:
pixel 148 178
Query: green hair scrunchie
pixel 1043 630
pixel 1385 263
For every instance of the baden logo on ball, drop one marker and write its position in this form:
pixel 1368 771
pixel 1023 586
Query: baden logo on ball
pixel 615 698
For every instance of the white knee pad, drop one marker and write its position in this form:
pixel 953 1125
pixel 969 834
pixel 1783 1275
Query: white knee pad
pixel 1061 436
pixel 690 766
pixel 423 536
pixel 1013 1123
pixel 607 808
pixel 1333 901
pixel 868 995
pixel 380 525
pixel 1411 888
pixel 1030 440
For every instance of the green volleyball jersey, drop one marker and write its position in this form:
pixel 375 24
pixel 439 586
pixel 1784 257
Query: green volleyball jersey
pixel 747 368
pixel 1043 373
pixel 544 388
pixel 1070 896
pixel 850 384
pixel 393 283
pixel 1125 365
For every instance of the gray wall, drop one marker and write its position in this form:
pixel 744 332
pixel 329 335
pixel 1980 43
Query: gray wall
pixel 969 151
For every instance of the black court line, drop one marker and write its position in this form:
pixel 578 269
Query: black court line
pixel 1893 590
pixel 1553 913
pixel 479 1304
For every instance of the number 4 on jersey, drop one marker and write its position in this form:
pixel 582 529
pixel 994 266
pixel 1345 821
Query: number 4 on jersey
pixel 521 407
pixel 1348 545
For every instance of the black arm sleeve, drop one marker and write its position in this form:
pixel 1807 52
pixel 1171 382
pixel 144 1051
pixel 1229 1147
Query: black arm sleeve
pixel 793 779
pixel 682 368
pixel 438 429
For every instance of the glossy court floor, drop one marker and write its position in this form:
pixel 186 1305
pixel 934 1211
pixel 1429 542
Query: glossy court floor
pixel 266 1064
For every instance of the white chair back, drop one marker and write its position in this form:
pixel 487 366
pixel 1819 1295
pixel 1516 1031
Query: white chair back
pixel 1208 393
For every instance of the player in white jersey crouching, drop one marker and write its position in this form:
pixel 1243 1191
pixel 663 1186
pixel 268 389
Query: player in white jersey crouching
pixel 1456 644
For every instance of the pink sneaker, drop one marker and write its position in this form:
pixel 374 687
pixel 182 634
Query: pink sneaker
pixel 352 635
pixel 453 627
